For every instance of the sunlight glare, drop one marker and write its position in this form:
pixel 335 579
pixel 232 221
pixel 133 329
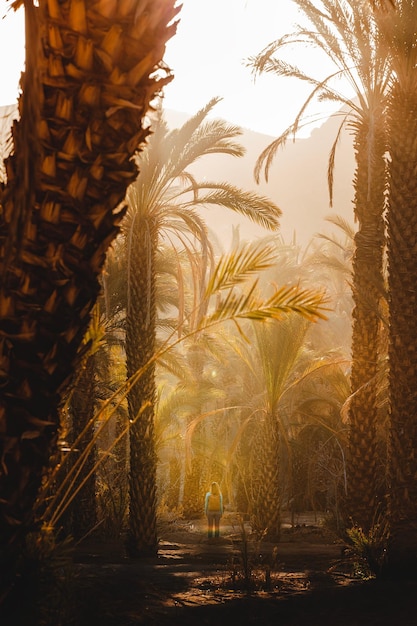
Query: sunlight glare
pixel 12 52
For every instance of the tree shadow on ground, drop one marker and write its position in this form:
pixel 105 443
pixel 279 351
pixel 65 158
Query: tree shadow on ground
pixel 197 581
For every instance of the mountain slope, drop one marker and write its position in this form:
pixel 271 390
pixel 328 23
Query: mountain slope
pixel 297 182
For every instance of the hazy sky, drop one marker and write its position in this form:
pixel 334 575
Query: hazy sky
pixel 207 56
pixel 11 52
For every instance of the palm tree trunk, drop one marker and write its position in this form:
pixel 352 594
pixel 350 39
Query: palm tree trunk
pixel 85 93
pixel 402 281
pixel 140 347
pixel 267 504
pixel 364 469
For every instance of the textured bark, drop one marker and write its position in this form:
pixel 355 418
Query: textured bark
pixel 364 468
pixel 402 277
pixel 86 90
pixel 267 502
pixel 140 348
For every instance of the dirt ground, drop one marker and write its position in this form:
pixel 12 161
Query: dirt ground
pixel 232 580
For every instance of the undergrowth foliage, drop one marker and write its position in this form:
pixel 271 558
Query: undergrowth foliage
pixel 367 550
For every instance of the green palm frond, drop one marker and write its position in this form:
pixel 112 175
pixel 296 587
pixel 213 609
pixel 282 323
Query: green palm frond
pixel 279 344
pixel 197 138
pixel 331 368
pixel 176 139
pixel 257 208
pixel 165 187
pixel 95 335
pixel 237 266
pixel 287 299
pixel 267 156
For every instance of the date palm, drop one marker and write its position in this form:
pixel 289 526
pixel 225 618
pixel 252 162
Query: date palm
pixel 210 381
pixel 266 361
pixel 398 27
pixel 89 79
pixel 346 32
pixel 163 203
pixel 271 360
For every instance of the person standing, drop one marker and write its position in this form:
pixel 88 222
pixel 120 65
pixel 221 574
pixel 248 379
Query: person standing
pixel 213 508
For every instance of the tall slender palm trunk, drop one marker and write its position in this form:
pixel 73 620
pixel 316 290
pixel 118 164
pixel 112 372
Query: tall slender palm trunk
pixel 364 470
pixel 140 348
pixel 86 90
pixel 402 281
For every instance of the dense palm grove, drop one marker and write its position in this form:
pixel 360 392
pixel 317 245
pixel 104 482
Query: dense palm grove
pixel 139 360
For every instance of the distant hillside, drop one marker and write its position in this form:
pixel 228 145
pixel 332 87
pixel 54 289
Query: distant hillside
pixel 297 182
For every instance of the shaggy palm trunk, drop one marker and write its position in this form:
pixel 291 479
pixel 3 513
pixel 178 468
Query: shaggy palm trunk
pixel 140 347
pixel 402 281
pixel 267 501
pixel 364 469
pixel 86 90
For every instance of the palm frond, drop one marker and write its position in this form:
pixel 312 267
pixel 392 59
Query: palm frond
pixel 345 32
pixel 179 137
pixel 196 139
pixel 331 163
pixel 345 227
pixel 257 208
pixel 237 266
pixel 292 299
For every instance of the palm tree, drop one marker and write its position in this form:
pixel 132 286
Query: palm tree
pixel 279 346
pixel 88 84
pixel 266 361
pixel 205 356
pixel 273 361
pixel 163 204
pixel 208 395
pixel 346 32
pixel 398 27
